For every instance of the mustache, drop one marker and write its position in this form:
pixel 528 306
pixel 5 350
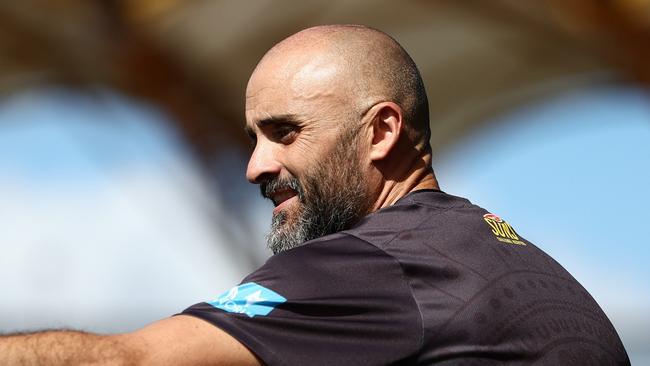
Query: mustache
pixel 268 187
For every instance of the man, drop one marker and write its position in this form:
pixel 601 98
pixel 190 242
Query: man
pixel 373 264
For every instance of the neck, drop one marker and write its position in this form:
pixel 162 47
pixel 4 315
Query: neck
pixel 422 177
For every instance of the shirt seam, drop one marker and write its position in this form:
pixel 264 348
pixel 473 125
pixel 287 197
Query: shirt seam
pixel 405 280
pixel 399 263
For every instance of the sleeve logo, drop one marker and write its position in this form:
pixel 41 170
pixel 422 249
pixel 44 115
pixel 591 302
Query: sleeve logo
pixel 502 230
pixel 248 298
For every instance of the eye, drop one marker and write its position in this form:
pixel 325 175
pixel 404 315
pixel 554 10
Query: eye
pixel 252 138
pixel 284 132
pixel 251 134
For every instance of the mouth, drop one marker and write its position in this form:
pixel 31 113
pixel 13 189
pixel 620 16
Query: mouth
pixel 281 198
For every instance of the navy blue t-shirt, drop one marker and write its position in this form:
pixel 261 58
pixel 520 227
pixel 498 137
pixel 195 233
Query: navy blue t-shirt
pixel 432 279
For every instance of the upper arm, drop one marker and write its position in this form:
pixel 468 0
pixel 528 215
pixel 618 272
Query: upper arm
pixel 335 301
pixel 186 340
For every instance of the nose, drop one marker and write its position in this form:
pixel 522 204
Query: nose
pixel 263 163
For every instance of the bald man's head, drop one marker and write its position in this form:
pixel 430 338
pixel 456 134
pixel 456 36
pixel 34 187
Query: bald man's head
pixel 339 117
pixel 362 66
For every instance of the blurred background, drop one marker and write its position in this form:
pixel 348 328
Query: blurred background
pixel 122 157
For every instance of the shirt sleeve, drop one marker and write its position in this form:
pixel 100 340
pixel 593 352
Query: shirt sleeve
pixel 334 301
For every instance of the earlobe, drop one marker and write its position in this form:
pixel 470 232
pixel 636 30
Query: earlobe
pixel 386 129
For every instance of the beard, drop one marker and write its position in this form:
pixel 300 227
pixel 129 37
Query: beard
pixel 331 198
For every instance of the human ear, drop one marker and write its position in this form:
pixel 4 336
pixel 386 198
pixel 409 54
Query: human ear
pixel 386 128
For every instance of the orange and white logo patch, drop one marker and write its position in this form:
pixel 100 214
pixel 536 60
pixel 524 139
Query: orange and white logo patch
pixel 502 230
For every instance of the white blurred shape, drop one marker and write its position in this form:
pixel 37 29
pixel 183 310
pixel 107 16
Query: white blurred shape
pixel 107 223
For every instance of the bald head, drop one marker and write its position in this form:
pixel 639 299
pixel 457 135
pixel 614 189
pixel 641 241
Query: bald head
pixel 339 117
pixel 356 67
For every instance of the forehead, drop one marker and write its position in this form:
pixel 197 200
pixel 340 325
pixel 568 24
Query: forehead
pixel 299 86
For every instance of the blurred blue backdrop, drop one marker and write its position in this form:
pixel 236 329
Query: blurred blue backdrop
pixel 122 189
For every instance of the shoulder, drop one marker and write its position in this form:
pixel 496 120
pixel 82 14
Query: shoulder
pixel 334 264
pixel 335 300
pixel 431 213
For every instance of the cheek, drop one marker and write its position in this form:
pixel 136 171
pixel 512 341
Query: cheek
pixel 297 161
pixel 305 153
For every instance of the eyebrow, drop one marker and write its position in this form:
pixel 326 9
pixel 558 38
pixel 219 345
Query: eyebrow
pixel 282 118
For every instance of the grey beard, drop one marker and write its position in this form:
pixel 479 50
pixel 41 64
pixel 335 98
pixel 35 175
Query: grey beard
pixel 282 238
pixel 322 215
pixel 334 199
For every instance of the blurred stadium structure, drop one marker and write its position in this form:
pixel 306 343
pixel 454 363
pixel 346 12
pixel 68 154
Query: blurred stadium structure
pixel 184 66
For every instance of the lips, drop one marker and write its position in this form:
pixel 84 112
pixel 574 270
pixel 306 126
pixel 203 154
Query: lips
pixel 282 195
pixel 282 192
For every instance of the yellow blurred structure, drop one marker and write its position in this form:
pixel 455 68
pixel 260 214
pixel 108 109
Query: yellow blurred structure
pixel 193 58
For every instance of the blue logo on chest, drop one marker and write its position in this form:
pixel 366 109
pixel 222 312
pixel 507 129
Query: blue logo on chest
pixel 248 298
